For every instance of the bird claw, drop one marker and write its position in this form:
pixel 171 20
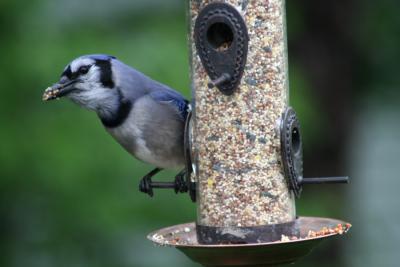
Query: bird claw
pixel 145 186
pixel 180 183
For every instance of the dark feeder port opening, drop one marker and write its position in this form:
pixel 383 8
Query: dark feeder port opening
pixel 220 36
pixel 296 141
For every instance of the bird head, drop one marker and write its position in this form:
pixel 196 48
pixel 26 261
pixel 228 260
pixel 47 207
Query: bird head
pixel 87 81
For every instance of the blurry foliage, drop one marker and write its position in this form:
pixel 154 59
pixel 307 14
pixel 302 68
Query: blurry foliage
pixel 69 193
pixel 378 41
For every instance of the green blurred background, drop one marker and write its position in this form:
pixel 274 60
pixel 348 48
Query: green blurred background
pixel 68 192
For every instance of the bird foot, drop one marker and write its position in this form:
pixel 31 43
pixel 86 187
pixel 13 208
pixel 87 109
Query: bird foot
pixel 180 183
pixel 146 184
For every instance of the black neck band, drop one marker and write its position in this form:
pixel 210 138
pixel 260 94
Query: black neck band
pixel 120 116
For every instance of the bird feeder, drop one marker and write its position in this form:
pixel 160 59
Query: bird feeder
pixel 243 142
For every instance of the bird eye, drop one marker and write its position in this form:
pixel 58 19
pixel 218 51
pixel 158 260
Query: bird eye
pixel 84 69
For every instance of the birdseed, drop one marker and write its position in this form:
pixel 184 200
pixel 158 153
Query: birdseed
pixel 50 93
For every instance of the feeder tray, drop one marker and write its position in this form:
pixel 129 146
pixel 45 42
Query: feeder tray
pixel 183 237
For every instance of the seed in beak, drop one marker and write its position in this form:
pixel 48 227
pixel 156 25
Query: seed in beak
pixel 50 93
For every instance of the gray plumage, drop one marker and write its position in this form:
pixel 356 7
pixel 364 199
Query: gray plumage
pixel 144 116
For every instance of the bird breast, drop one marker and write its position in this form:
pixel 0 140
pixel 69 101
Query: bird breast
pixel 152 133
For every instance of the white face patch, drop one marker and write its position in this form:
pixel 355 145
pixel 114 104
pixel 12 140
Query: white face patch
pixel 79 62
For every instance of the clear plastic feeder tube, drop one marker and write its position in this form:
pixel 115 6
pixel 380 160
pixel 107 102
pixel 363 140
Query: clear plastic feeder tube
pixel 242 194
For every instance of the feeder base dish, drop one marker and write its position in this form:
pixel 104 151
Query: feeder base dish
pixel 183 237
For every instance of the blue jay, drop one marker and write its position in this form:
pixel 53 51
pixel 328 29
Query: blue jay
pixel 146 117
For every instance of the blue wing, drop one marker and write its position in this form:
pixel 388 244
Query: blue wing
pixel 172 98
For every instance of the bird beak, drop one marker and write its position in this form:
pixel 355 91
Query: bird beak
pixel 58 90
